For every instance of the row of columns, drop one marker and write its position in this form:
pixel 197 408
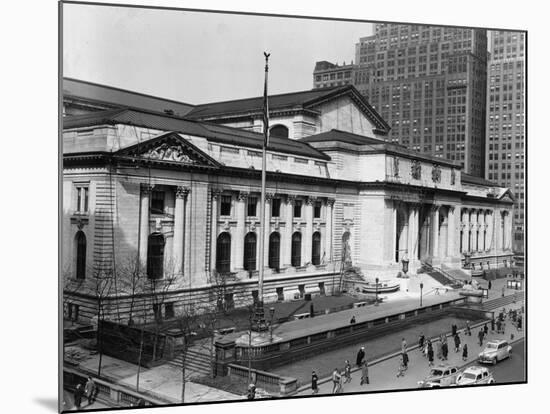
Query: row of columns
pixel 287 213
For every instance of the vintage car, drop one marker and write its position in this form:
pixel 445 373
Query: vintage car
pixel 495 350
pixel 440 376
pixel 475 375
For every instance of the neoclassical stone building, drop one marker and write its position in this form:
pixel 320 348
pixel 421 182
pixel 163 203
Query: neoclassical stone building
pixel 157 201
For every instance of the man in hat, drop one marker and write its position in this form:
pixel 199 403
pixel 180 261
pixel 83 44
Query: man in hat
pixel 360 356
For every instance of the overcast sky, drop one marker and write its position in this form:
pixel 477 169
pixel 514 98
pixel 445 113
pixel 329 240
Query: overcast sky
pixel 199 57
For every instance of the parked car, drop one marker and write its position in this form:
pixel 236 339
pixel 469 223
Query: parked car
pixel 495 350
pixel 475 375
pixel 440 376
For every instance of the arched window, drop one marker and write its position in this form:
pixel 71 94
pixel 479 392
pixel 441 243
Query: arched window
pixel 80 255
pixel 316 248
pixel 274 250
pixel 249 259
pixel 223 253
pixel 155 256
pixel 279 131
pixel 296 253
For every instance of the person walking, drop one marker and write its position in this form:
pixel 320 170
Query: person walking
pixel 340 389
pixel 444 350
pixel 360 356
pixel 347 372
pixel 489 285
pixel 421 340
pixel 403 345
pixel 314 380
pixel 457 342
pixel 499 325
pixel 406 360
pixel 465 352
pixel 480 336
pixel 468 330
pixel 78 394
pixel 485 330
pixel 453 329
pixel 519 323
pixel 365 373
pixel 89 390
pixel 335 380
pixel 401 368
pixel 430 354
pixel 493 324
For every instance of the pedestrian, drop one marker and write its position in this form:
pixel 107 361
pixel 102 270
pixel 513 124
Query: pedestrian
pixel 444 351
pixel 403 345
pixel 347 371
pixel 401 368
pixel 340 385
pixel 89 390
pixel 311 310
pixel 406 360
pixel 480 337
pixel 465 352
pixel 335 380
pixel 485 330
pixel 78 394
pixel 314 379
pixel 468 330
pixel 360 356
pixel 365 373
pixel 499 324
pixel 503 290
pixel 457 342
pixel 519 323
pixel 493 324
pixel 503 327
pixel 421 340
pixel 489 285
pixel 352 320
pixel 453 329
pixel 430 355
pixel 251 393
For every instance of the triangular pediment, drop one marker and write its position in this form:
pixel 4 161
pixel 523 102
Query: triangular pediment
pixel 507 196
pixel 171 148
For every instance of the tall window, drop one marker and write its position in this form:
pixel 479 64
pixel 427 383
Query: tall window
pixel 298 208
pixel 317 209
pixel 276 207
pixel 80 255
pixel 155 256
pixel 157 202
pixel 252 203
pixel 250 252
pixel 225 205
pixel 223 253
pixel 316 248
pixel 82 199
pixel 296 253
pixel 274 250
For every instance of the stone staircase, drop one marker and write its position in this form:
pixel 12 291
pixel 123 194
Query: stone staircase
pixel 502 302
pixel 197 361
pixel 441 276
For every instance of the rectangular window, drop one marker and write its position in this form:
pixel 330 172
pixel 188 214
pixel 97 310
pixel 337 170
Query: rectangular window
pixel 317 209
pixel 225 205
pixel 252 203
pixel 157 202
pixel 275 207
pixel 169 310
pixel 298 208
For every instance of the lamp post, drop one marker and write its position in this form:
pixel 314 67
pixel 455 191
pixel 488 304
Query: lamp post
pixel 376 302
pixel 271 313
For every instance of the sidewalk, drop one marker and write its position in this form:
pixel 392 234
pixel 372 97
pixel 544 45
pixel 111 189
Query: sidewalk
pixel 382 373
pixel 163 382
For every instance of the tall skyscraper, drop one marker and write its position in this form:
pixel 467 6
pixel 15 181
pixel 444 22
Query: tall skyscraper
pixel 429 83
pixel 506 121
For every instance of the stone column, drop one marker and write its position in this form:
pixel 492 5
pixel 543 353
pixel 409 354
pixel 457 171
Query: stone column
pixel 435 231
pixel 144 223
pixel 240 230
pixel 480 230
pixel 287 239
pixel 328 239
pixel 507 230
pixel 473 229
pixel 267 224
pixel 465 230
pixel 179 224
pixel 214 229
pixel 489 243
pixel 307 240
pixel 451 232
pixel 187 253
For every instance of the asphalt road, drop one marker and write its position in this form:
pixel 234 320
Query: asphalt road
pixel 511 369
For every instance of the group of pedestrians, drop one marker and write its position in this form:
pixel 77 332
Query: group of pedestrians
pixel 89 391
pixel 341 377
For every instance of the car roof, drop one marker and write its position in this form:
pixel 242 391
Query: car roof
pixel 475 369
pixel 496 341
pixel 444 366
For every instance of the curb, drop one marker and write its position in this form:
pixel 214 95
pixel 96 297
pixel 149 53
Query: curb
pixel 393 355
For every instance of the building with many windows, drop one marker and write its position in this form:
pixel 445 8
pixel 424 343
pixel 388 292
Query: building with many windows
pixel 158 205
pixel 506 121
pixel 328 75
pixel 429 84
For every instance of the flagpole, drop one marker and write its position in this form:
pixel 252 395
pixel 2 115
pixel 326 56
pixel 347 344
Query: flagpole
pixel 260 319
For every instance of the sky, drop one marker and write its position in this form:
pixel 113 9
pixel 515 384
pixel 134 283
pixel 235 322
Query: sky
pixel 199 57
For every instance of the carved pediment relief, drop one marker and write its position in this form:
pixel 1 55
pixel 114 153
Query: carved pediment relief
pixel 169 152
